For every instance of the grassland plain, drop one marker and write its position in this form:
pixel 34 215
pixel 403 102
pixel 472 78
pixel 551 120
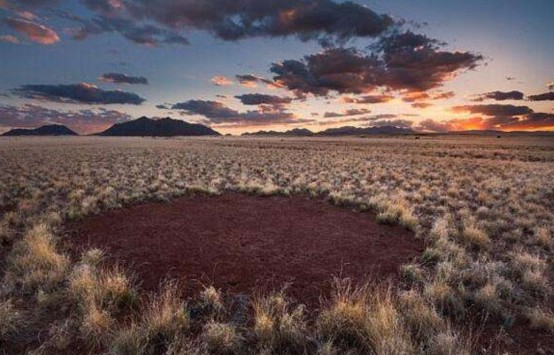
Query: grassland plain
pixel 484 206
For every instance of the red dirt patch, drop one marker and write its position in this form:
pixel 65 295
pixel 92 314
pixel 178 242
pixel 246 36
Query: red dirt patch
pixel 240 242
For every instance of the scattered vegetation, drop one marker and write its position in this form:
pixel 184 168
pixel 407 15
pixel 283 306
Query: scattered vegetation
pixel 483 206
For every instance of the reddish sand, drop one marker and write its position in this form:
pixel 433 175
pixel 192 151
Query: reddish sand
pixel 240 242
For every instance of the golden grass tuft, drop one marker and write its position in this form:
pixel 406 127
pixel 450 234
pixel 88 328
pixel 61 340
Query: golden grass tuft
pixel 35 262
pixel 221 338
pixel 278 326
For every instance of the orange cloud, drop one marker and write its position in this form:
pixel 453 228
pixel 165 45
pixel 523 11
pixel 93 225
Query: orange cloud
pixel 220 80
pixel 33 31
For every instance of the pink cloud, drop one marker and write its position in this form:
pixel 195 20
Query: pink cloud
pixel 33 31
pixel 9 39
pixel 220 80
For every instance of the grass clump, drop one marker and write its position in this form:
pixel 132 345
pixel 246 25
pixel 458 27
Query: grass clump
pixel 11 319
pixel 35 262
pixel 278 326
pixel 221 338
pixel 365 319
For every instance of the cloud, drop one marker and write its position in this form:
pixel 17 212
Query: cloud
pixel 547 96
pixel 342 121
pixel 217 113
pixel 117 78
pixel 405 62
pixel 77 93
pixel 421 105
pixel 36 3
pixel 550 86
pixel 380 120
pixel 260 99
pixel 496 117
pixel 220 80
pixel 443 95
pixel 33 31
pixel 154 22
pixel 531 121
pixel 397 123
pixel 234 20
pixel 434 126
pixel 82 121
pixel 143 34
pixel 382 116
pixel 9 39
pixel 494 109
pixel 500 96
pixel 351 112
pixel 367 99
pixel 252 81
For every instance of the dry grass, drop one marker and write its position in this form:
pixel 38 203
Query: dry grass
pixel 10 319
pixel 483 206
pixel 35 262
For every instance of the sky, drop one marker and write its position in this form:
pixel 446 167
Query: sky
pixel 249 65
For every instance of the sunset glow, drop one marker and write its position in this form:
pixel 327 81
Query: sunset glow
pixel 428 67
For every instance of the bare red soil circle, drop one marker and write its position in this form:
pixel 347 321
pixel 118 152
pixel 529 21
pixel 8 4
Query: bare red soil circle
pixel 241 243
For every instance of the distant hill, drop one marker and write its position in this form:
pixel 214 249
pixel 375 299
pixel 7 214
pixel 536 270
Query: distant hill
pixel 355 131
pixel 49 130
pixel 340 131
pixel 165 127
pixel 501 133
pixel 297 132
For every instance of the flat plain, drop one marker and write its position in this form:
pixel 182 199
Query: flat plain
pixel 478 213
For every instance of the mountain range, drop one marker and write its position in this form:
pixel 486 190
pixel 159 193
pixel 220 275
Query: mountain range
pixel 164 127
pixel 49 130
pixel 168 127
pixel 340 131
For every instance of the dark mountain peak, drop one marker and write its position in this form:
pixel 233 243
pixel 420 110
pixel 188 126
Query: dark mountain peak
pixel 164 127
pixel 296 132
pixel 48 130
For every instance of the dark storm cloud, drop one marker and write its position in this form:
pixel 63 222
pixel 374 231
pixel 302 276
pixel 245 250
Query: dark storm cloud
pixel 500 96
pixel 218 113
pixel 77 93
pixel 367 99
pixel 547 96
pixel 83 121
pixel 494 110
pixel 118 78
pixel 407 61
pixel 259 99
pixel 351 112
pixel 233 20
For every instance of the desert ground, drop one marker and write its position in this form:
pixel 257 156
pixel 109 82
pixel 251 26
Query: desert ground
pixel 226 245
